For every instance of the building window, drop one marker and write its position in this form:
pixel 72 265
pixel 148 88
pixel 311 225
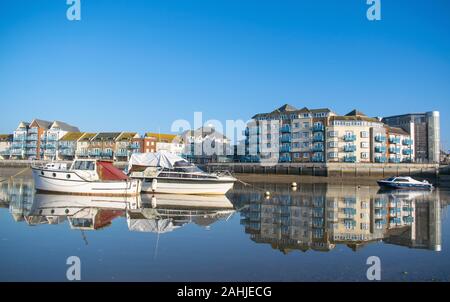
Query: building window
pixel 306 134
pixel 296 155
pixel 332 133
pixel 305 145
pixel 333 144
pixel 296 125
pixel 364 155
pixel 305 125
pixel 332 155
pixel 365 145
pixel 364 134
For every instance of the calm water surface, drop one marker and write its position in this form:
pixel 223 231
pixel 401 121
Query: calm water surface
pixel 319 232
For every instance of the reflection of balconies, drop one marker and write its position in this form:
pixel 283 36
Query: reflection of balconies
pixel 285 129
pixel 16 152
pixel 31 152
pixel 349 137
pixel 121 153
pixel 349 148
pixel 134 145
pixel 94 152
pixel 107 153
pixel 67 152
pixel 82 153
pixel 50 152
pixel 318 158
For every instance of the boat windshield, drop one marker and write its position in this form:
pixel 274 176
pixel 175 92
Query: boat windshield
pixel 83 165
pixel 188 169
pixel 390 179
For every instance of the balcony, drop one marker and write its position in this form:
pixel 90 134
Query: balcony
pixel 82 153
pixel 286 139
pixel 394 160
pixel 394 140
pixel 285 148
pixel 33 137
pixel 50 146
pixel 94 153
pixel 394 150
pixel 19 138
pixel 285 129
pixel 122 153
pixel 33 131
pixel 380 159
pixel 407 152
pixel 52 138
pixel 107 153
pixel 5 152
pixel 18 145
pixel 67 152
pixel 31 145
pixel 318 138
pixel 407 142
pixel 380 149
pixel 349 159
pixel 318 148
pixel 31 152
pixel 318 158
pixel 318 128
pixel 380 139
pixel 134 146
pixel 349 148
pixel 349 137
pixel 50 152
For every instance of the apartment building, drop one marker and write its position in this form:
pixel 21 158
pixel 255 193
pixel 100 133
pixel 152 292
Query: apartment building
pixel 289 135
pixel 38 139
pixel 67 145
pixel 127 143
pixel 349 137
pixel 424 129
pixel 5 145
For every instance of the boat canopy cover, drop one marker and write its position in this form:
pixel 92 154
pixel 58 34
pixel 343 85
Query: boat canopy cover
pixel 162 159
pixel 106 171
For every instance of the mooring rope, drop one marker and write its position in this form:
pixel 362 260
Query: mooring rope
pixel 251 185
pixel 15 175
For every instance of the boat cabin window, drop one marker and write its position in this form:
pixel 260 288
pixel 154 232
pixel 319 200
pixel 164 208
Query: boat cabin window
pixel 390 179
pixel 84 165
pixel 402 179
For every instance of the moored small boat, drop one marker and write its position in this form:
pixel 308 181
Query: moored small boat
pixel 404 182
pixel 85 177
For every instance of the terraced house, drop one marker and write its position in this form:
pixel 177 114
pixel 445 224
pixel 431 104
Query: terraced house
pixel 320 135
pixel 51 137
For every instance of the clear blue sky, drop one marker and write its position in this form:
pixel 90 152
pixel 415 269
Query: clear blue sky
pixel 138 65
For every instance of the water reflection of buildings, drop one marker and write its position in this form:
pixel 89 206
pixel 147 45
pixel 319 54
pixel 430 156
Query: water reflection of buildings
pixel 319 216
pixel 161 213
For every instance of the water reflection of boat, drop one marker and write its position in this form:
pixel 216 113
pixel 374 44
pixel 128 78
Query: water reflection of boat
pixel 164 213
pixel 82 212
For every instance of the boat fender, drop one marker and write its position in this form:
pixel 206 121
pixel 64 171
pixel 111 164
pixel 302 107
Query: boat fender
pixel 154 184
pixel 153 202
pixel 294 185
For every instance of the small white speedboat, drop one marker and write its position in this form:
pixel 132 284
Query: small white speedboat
pixel 167 173
pixel 85 177
pixel 404 182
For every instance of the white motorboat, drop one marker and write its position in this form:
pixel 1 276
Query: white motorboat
pixel 85 177
pixel 404 182
pixel 164 172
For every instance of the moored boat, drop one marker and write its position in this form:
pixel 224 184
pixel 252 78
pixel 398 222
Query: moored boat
pixel 85 177
pixel 404 182
pixel 167 173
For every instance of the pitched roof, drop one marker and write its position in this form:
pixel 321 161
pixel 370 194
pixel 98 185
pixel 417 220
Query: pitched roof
pixel 23 125
pixel 103 136
pixel 72 136
pixel 125 136
pixel 40 123
pixel 87 136
pixel 64 126
pixel 353 118
pixel 355 113
pixel 204 132
pixel 396 130
pixel 286 107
